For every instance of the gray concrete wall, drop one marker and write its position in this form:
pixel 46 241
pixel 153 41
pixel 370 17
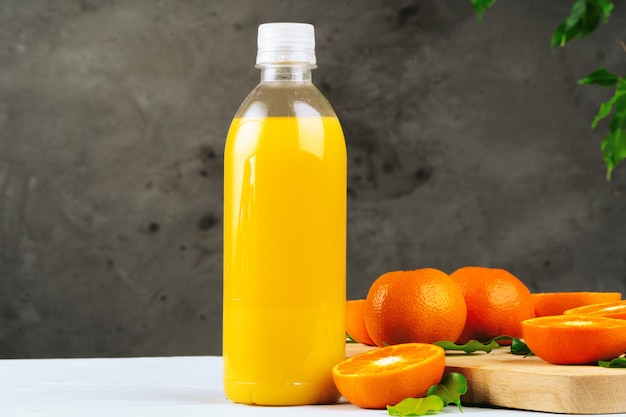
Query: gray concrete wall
pixel 469 144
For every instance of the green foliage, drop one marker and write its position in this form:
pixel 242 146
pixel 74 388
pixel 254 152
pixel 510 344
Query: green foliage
pixel 473 345
pixel 601 77
pixel 416 406
pixel 584 18
pixel 615 363
pixel 520 348
pixel 614 143
pixel 450 389
pixel 480 6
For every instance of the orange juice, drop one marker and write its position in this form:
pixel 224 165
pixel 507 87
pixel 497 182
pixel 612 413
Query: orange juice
pixel 284 259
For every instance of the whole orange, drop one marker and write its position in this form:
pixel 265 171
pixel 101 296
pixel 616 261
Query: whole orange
pixel 355 322
pixel 497 303
pixel 420 306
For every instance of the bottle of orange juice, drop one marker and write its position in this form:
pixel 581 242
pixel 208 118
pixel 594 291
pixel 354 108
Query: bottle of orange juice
pixel 284 231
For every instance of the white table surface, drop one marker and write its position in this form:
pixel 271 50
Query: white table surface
pixel 150 387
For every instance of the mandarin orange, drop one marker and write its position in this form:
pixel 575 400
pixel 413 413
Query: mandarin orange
pixel 497 302
pixel 386 376
pixel 424 305
pixel 575 340
pixel 615 310
pixel 355 322
pixel 555 303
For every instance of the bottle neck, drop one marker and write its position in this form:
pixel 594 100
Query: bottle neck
pixel 300 73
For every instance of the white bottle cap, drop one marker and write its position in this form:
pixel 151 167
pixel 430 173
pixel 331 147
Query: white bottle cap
pixel 286 42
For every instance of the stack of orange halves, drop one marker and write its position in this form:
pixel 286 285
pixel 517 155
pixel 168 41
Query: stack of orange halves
pixel 425 306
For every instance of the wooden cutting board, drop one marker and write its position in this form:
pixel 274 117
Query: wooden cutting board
pixel 505 380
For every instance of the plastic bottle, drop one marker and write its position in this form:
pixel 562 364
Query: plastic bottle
pixel 284 232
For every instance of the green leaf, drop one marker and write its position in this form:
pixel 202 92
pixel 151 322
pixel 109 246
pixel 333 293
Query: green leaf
pixel 618 121
pixel 572 25
pixel 613 150
pixel 583 19
pixel 615 363
pixel 416 406
pixel 607 7
pixel 602 77
pixel 520 348
pixel 473 345
pixel 450 389
pixel 607 107
pixel 614 143
pixel 480 6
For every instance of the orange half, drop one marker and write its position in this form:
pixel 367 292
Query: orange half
pixel 571 339
pixel 615 310
pixel 387 375
pixel 555 303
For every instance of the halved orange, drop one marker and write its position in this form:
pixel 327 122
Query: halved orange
pixel 615 310
pixel 387 375
pixel 555 303
pixel 570 339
